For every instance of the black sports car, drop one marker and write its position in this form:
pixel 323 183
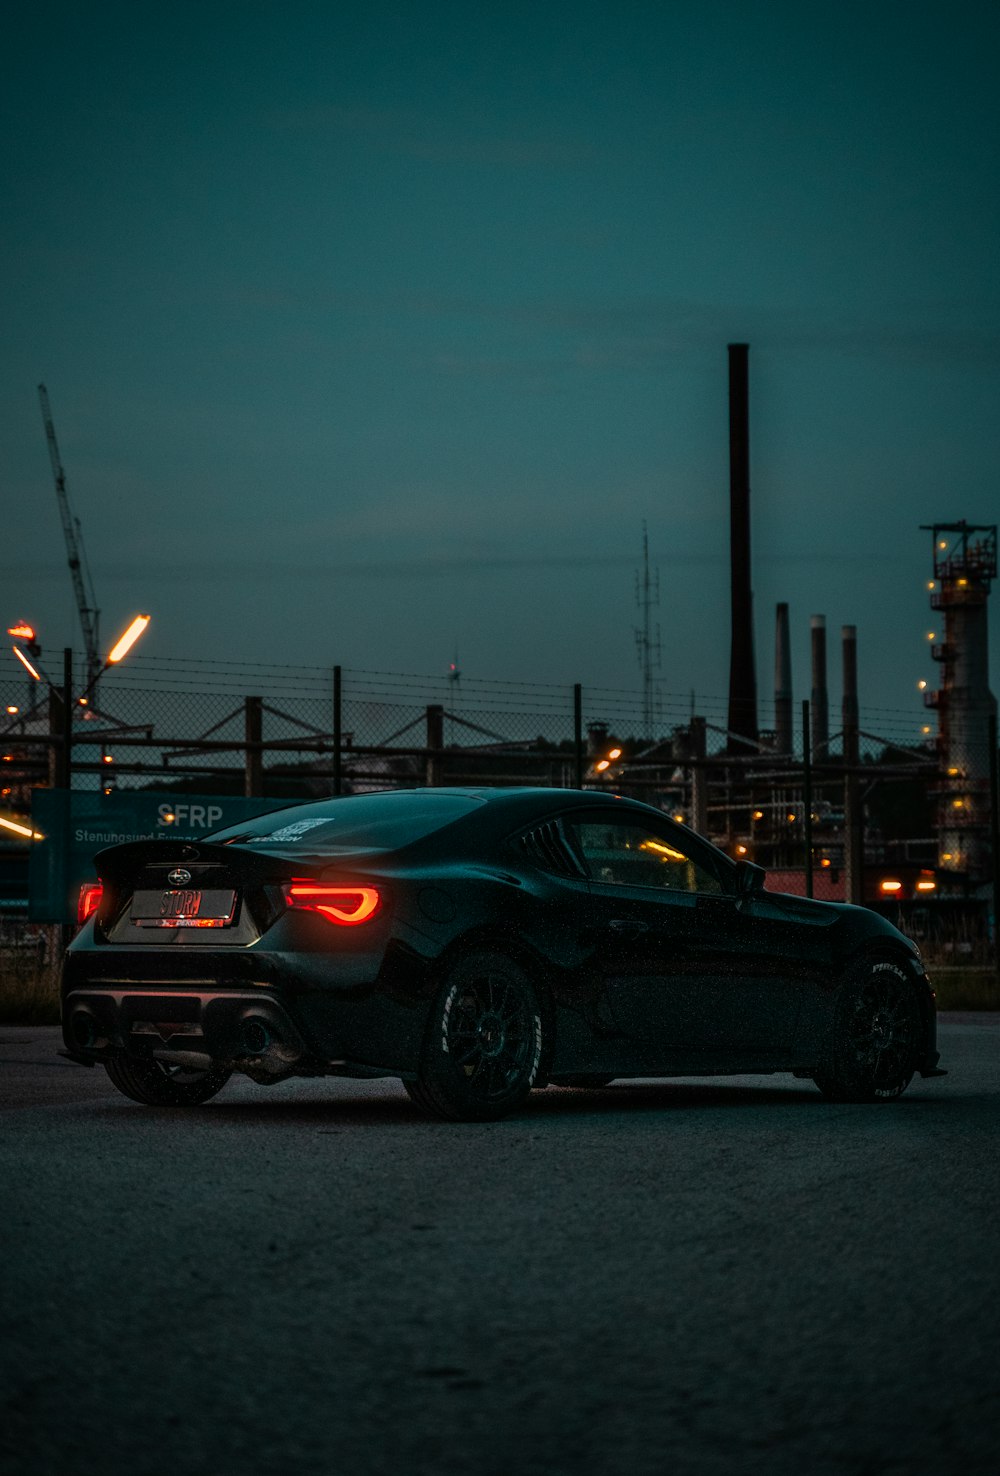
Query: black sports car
pixel 478 943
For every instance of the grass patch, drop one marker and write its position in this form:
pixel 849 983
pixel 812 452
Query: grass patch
pixel 29 988
pixel 973 987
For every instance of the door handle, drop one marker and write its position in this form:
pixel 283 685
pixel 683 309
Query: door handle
pixel 628 927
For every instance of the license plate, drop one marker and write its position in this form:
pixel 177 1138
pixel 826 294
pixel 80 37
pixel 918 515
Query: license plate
pixel 188 909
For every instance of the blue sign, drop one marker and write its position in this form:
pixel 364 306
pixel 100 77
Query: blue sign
pixel 75 825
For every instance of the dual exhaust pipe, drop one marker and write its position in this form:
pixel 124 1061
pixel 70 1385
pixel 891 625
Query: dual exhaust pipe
pixel 257 1041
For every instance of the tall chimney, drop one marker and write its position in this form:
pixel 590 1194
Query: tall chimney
pixel 850 717
pixel 820 703
pixel 742 719
pixel 782 683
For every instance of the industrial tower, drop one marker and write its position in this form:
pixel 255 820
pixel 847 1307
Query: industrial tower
pixel 965 562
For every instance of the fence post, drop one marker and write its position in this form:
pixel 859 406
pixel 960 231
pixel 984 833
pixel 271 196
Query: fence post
pixel 435 742
pixel 254 726
pixel 61 727
pixel 995 841
pixel 578 734
pixel 337 731
pixel 807 797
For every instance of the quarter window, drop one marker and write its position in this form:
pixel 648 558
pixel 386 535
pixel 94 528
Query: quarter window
pixel 634 856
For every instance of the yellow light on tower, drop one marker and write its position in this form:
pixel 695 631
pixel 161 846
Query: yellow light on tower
pixel 943 543
pixel 932 584
pixel 932 635
pixel 125 643
pixel 925 730
pixel 921 685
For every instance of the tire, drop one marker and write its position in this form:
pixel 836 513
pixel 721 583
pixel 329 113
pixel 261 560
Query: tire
pixel 159 1085
pixel 584 1079
pixel 877 1036
pixel 484 1042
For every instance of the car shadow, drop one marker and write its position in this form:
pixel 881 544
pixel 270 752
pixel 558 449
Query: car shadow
pixel 390 1107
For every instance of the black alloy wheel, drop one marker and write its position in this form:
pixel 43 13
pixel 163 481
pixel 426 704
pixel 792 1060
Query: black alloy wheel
pixel 158 1084
pixel 877 1037
pixel 484 1041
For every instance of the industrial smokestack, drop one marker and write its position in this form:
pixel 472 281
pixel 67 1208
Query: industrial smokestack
pixel 850 716
pixel 820 709
pixel 742 676
pixel 782 683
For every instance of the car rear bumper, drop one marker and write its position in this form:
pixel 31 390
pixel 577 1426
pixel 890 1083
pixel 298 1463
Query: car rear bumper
pixel 236 1029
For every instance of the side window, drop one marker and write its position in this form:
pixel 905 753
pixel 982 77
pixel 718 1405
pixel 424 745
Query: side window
pixel 631 855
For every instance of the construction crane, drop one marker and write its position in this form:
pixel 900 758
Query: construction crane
pixel 78 568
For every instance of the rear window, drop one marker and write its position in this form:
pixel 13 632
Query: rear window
pixel 365 822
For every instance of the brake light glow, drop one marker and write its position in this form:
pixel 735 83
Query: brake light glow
pixel 89 900
pixel 345 906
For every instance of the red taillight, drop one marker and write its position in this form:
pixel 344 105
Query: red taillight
pixel 346 906
pixel 88 901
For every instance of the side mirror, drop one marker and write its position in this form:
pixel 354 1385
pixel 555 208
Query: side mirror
pixel 750 878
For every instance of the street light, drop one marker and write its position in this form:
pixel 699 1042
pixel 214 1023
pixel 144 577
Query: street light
pixel 125 642
pixel 26 664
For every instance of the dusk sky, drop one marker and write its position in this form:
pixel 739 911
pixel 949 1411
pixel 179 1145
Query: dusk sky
pixel 375 330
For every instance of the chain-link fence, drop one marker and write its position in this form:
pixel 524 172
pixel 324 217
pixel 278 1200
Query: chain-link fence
pixel 881 811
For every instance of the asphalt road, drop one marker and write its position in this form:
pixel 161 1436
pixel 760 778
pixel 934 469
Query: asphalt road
pixel 727 1276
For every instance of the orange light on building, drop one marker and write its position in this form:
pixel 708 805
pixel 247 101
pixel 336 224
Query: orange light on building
pixel 107 758
pixel 958 804
pixel 741 850
pixel 825 861
pixel 679 819
pixel 891 886
pixel 758 814
pixel 791 816
pixel 602 765
pixel 22 632
pixel 614 753
pixel 12 708
pixel 921 685
pixel 926 886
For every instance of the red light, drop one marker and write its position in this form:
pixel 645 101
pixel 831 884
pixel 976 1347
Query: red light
pixel 89 900
pixel 346 906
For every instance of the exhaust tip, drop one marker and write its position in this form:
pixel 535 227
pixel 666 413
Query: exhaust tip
pixel 84 1029
pixel 256 1036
